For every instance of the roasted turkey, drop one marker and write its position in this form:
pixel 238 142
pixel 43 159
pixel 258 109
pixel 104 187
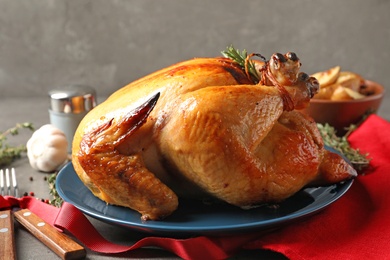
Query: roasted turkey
pixel 204 127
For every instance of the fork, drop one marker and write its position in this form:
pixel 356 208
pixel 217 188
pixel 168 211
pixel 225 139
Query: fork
pixel 7 238
pixel 58 242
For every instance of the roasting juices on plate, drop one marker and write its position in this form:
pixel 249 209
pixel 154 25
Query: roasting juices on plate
pixel 224 127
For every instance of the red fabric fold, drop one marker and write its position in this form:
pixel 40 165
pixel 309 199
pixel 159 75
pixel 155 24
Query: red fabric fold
pixel 357 226
pixel 72 220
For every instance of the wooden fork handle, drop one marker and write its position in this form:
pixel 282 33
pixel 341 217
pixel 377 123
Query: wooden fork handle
pixel 7 238
pixel 59 243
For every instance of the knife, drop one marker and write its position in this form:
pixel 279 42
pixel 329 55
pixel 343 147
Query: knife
pixel 59 243
pixel 7 240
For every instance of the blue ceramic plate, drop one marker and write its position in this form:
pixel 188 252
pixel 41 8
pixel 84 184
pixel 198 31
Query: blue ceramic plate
pixel 197 218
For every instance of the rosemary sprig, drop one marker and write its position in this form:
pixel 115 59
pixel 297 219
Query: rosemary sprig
pixel 241 57
pixel 10 153
pixel 340 143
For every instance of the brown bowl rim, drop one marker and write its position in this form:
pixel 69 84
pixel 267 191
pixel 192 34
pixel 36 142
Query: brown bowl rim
pixel 368 98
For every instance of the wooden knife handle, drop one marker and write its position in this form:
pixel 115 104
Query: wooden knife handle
pixel 7 238
pixel 58 242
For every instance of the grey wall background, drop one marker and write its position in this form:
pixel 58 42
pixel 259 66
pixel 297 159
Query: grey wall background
pixel 106 44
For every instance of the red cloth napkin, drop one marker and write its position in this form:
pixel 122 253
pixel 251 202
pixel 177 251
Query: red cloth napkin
pixel 357 226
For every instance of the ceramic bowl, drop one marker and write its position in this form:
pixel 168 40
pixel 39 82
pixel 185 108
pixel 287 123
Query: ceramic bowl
pixel 341 114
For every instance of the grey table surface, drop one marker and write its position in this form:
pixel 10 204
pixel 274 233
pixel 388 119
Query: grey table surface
pixel 35 110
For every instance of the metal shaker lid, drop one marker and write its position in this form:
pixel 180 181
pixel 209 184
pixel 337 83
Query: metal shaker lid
pixel 72 99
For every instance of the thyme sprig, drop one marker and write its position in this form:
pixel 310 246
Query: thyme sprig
pixel 56 199
pixel 358 160
pixel 242 59
pixel 10 153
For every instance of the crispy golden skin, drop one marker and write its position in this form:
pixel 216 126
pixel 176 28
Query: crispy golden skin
pixel 210 130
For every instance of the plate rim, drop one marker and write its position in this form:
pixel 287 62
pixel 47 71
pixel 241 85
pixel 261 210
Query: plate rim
pixel 154 228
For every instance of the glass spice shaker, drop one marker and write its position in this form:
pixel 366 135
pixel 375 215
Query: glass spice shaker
pixel 68 105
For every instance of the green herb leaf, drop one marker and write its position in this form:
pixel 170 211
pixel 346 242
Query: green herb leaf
pixel 340 143
pixel 8 153
pixel 56 199
pixel 240 58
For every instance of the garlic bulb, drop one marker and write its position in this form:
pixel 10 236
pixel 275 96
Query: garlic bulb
pixel 47 148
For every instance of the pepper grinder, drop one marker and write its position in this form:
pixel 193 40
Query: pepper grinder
pixel 69 104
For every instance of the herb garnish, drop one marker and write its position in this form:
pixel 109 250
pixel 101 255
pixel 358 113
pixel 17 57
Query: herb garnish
pixel 56 199
pixel 340 143
pixel 243 59
pixel 10 153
